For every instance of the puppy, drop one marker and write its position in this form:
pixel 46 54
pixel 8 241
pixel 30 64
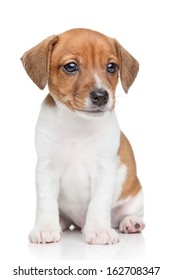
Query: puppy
pixel 86 171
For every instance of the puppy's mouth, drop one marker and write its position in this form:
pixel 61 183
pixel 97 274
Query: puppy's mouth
pixel 91 113
pixel 98 111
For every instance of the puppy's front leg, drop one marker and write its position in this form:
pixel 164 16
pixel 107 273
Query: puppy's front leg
pixel 47 228
pixel 98 229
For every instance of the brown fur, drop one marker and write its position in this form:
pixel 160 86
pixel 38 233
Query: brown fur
pixel 49 101
pixel 128 69
pixel 131 185
pixel 36 61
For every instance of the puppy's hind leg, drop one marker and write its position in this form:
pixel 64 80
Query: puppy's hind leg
pixel 128 217
pixel 131 224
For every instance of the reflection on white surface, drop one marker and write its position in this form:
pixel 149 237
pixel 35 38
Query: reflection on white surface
pixel 72 246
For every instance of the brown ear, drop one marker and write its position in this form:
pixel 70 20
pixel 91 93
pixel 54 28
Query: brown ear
pixel 36 61
pixel 129 67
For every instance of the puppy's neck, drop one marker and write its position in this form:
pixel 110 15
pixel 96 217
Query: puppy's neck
pixel 73 120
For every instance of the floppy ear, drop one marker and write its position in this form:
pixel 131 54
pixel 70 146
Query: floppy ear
pixel 129 67
pixel 36 61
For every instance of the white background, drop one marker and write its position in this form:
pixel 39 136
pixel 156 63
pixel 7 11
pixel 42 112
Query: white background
pixel 144 28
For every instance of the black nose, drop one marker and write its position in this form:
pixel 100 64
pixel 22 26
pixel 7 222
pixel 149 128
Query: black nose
pixel 99 97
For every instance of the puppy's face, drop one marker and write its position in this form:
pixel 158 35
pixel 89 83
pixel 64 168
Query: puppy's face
pixel 82 68
pixel 84 71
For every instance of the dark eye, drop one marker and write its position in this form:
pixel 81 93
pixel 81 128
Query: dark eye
pixel 71 67
pixel 112 67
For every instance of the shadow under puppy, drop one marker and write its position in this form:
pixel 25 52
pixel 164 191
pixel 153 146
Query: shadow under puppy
pixel 86 171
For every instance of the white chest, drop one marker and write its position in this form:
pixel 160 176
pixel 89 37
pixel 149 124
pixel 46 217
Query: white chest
pixel 79 149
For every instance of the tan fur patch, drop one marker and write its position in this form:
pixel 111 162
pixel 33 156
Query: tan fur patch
pixel 36 61
pixel 131 185
pixel 49 101
pixel 128 69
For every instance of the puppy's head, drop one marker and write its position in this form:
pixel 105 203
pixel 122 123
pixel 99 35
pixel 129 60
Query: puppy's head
pixel 81 68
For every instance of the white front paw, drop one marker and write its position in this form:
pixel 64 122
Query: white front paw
pixel 101 236
pixel 45 234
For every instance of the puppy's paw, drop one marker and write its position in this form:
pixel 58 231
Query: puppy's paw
pixel 131 224
pixel 102 237
pixel 44 235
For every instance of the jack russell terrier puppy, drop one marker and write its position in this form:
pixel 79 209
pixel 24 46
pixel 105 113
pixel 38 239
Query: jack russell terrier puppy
pixel 86 171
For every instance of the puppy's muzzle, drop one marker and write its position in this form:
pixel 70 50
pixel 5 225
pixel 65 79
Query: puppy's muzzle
pixel 99 97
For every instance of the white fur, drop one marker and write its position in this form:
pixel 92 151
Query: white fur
pixel 99 82
pixel 78 175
